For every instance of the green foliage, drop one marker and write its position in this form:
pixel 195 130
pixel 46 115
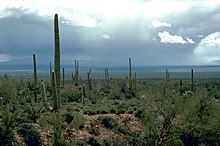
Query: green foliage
pixel 7 128
pixel 71 94
pixel 94 129
pixel 108 122
pixel 78 142
pixel 8 89
pixel 30 134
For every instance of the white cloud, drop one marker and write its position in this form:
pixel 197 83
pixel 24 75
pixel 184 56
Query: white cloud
pixel 208 50
pixel 211 40
pixel 105 36
pixel 165 37
pixel 190 41
pixel 157 23
pixel 5 57
pixel 200 36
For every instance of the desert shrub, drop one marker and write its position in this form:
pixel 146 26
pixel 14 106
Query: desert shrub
pixel 108 122
pixel 94 129
pixel 71 93
pixel 7 128
pixel 94 142
pixel 30 134
pixel 140 112
pixel 122 108
pixel 123 129
pixel 78 122
pixel 119 141
pixel 8 89
pixel 78 142
pixel 89 110
pixel 134 138
pixel 69 117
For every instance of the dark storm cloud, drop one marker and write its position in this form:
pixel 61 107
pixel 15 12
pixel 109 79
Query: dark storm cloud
pixel 25 33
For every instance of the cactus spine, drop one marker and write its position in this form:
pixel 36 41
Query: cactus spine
pixel 63 77
pixel 130 80
pixel 35 78
pixel 54 93
pixel 57 56
pixel 76 72
pixel 44 95
pixel 89 80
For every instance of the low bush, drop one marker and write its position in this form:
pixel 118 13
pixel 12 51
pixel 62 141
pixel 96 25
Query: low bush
pixel 30 134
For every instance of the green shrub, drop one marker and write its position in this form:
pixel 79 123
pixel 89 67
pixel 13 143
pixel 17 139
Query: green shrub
pixel 108 122
pixel 7 128
pixel 94 142
pixel 78 142
pixel 30 134
pixel 94 129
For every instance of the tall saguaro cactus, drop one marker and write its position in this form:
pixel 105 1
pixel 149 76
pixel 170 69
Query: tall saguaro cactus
pixel 35 77
pixel 57 56
pixel 89 80
pixel 76 72
pixel 63 77
pixel 130 80
pixel 54 93
pixel 192 80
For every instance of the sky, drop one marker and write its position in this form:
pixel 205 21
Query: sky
pixel 107 32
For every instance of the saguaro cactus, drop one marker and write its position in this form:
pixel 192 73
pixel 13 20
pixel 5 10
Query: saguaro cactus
pixel 106 74
pixel 63 77
pixel 50 71
pixel 83 92
pixel 181 90
pixel 57 56
pixel 54 93
pixel 89 80
pixel 192 81
pixel 35 78
pixel 76 72
pixel 44 95
pixel 130 80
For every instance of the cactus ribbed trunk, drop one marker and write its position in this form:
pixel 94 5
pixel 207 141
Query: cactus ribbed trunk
pixel 89 80
pixel 83 92
pixel 35 77
pixel 57 56
pixel 130 80
pixel 192 81
pixel 54 93
pixel 63 77
pixel 76 72
pixel 50 72
pixel 44 95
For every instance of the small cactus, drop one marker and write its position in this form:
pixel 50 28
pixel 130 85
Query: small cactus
pixel 44 95
pixel 130 80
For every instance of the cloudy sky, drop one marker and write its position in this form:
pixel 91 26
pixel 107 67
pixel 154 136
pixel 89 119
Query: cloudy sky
pixel 107 32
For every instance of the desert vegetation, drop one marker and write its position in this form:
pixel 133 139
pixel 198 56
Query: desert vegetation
pixel 111 111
